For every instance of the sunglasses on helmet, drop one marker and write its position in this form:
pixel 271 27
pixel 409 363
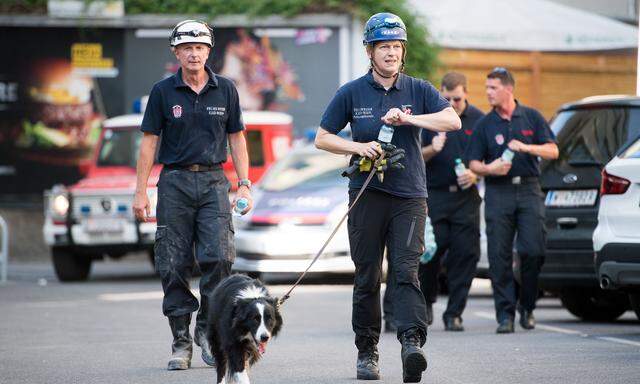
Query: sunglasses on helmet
pixel 194 33
pixel 386 24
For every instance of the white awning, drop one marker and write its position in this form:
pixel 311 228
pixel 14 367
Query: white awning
pixel 521 25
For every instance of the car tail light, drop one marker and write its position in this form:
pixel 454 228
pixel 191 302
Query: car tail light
pixel 613 185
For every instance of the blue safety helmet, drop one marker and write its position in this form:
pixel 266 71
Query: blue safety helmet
pixel 384 26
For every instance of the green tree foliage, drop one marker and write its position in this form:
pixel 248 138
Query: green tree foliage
pixel 421 56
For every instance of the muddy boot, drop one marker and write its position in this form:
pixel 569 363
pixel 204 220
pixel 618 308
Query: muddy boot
pixel 367 364
pixel 414 361
pixel 181 349
pixel 201 340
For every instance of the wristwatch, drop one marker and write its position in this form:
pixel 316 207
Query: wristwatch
pixel 245 182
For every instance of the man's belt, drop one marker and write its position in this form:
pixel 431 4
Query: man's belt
pixel 516 180
pixel 195 167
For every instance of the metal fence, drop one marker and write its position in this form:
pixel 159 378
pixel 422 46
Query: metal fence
pixel 4 250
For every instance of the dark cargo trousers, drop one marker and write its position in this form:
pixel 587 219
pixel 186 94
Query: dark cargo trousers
pixel 511 209
pixel 381 218
pixel 455 217
pixel 194 216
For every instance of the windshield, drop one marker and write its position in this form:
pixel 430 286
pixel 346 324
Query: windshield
pixel 306 170
pixel 633 151
pixel 593 136
pixel 119 148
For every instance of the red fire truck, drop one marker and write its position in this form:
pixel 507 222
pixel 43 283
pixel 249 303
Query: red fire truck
pixel 93 218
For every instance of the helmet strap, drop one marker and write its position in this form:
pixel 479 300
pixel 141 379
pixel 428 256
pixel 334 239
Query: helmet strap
pixel 373 66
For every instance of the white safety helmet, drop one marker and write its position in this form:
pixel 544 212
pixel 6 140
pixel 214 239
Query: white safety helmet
pixel 192 31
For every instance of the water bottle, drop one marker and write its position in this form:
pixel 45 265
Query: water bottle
pixel 460 169
pixel 386 134
pixel 430 246
pixel 241 205
pixel 507 155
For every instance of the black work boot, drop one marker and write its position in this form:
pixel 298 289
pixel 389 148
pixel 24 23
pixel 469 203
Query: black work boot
pixel 414 361
pixel 453 324
pixel 181 349
pixel 527 321
pixel 505 326
pixel 200 338
pixel 367 364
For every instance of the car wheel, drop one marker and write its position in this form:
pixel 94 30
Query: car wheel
pixel 594 304
pixel 70 266
pixel 634 299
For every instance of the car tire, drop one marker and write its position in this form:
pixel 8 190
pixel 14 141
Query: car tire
pixel 634 300
pixel 594 304
pixel 70 266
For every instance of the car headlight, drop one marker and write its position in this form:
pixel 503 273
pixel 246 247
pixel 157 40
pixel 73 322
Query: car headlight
pixel 58 202
pixel 60 205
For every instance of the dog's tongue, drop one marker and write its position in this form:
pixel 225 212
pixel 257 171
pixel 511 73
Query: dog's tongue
pixel 262 348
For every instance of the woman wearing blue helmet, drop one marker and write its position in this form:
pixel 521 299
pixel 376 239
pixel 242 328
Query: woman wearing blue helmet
pixel 392 211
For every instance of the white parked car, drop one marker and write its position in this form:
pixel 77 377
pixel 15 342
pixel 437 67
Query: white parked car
pixel 616 240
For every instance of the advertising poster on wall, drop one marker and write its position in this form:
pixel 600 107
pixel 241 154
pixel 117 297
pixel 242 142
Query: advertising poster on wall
pixel 55 94
pixel 50 122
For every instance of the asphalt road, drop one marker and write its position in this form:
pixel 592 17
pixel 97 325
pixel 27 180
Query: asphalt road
pixel 111 330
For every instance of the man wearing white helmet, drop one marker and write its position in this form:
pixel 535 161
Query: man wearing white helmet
pixel 196 112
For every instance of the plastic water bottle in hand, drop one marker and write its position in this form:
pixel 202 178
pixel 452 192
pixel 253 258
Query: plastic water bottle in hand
pixel 430 246
pixel 460 170
pixel 507 155
pixel 386 134
pixel 241 205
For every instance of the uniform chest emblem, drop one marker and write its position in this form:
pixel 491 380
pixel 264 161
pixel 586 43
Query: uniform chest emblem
pixel 499 139
pixel 177 111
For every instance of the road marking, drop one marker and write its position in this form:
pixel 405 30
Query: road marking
pixel 619 341
pixel 561 330
pixel 137 296
pixel 566 331
pixel 155 295
pixel 484 315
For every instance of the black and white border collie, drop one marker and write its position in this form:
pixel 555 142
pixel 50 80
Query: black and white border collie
pixel 243 317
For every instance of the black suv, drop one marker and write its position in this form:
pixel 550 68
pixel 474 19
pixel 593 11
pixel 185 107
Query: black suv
pixel 589 134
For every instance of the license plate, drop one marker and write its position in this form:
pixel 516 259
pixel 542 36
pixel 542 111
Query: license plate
pixel 103 225
pixel 575 198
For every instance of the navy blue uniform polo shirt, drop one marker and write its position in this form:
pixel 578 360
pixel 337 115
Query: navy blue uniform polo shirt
pixel 363 102
pixel 440 168
pixel 492 133
pixel 194 127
